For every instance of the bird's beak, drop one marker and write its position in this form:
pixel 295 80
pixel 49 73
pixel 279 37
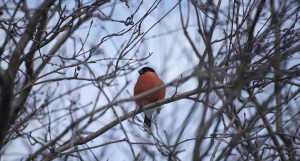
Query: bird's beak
pixel 141 72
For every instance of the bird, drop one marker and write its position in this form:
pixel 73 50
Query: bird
pixel 148 80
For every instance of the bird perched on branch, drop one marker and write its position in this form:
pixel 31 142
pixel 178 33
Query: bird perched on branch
pixel 148 80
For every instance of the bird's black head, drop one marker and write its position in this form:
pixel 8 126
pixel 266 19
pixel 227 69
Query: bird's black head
pixel 146 69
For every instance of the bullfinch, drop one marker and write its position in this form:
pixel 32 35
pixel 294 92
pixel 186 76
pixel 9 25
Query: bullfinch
pixel 147 80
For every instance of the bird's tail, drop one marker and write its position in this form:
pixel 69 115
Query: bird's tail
pixel 147 122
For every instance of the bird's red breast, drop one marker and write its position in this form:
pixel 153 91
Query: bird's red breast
pixel 145 82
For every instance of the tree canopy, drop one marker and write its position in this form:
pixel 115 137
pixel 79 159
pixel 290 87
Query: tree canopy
pixel 231 70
